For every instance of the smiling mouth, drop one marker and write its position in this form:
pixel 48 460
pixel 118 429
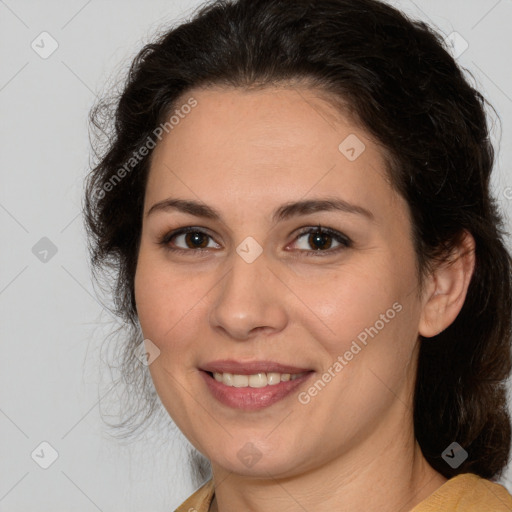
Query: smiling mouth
pixel 256 380
pixel 255 391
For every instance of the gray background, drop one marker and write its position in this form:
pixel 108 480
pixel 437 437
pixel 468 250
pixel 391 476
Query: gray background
pixel 51 323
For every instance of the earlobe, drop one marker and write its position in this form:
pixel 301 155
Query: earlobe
pixel 447 290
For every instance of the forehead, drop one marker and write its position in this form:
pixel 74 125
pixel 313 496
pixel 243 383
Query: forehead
pixel 269 122
pixel 263 145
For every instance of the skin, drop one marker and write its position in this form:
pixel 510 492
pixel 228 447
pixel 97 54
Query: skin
pixel 352 447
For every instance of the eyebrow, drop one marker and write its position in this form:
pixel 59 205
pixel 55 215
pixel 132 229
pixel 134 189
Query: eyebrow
pixel 284 212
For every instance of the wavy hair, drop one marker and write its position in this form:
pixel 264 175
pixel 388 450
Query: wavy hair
pixel 394 76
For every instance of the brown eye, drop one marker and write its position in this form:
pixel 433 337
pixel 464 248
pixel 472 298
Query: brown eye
pixel 186 239
pixel 196 239
pixel 320 240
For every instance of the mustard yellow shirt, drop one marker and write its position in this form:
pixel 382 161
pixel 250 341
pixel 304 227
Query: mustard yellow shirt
pixel 463 493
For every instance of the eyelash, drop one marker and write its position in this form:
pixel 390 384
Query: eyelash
pixel 345 242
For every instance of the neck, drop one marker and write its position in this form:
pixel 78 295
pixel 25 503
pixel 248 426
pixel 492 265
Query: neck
pixel 374 476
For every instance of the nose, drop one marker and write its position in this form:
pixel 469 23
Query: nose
pixel 250 300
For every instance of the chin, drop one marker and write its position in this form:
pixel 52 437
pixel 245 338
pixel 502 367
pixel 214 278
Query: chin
pixel 253 462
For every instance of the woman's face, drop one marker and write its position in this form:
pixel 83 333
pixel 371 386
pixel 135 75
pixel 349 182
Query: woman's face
pixel 257 287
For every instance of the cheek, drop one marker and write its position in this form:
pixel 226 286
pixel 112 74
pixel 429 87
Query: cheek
pixel 155 296
pixel 341 305
pixel 170 304
pixel 365 313
pixel 352 301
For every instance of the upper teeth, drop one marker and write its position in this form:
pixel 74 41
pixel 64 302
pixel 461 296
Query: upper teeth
pixel 258 380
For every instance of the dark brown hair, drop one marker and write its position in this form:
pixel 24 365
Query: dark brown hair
pixel 405 89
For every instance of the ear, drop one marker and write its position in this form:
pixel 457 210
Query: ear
pixel 446 289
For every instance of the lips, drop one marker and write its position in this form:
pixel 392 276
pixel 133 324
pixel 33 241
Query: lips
pixel 250 398
pixel 251 367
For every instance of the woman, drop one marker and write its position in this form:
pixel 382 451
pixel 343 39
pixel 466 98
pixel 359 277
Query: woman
pixel 296 203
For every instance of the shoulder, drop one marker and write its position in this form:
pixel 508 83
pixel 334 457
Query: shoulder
pixel 463 493
pixel 199 501
pixel 467 493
